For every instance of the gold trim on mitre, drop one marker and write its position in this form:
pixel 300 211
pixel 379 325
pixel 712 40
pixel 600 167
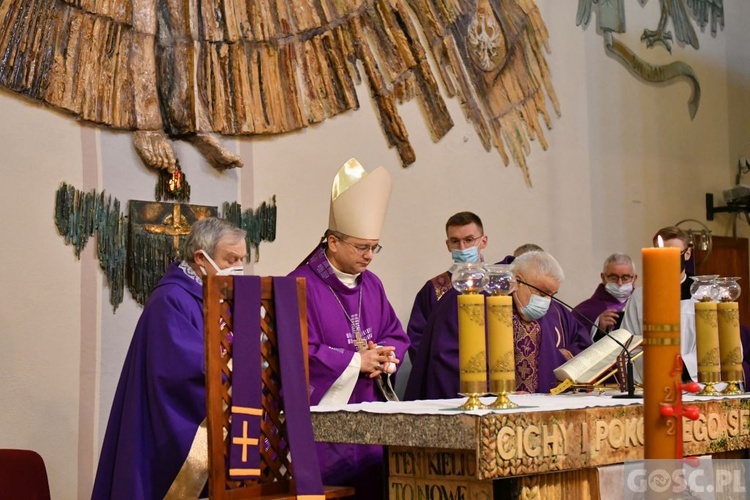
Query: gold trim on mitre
pixel 359 201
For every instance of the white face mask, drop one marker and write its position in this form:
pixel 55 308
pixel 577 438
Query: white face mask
pixel 621 293
pixel 229 271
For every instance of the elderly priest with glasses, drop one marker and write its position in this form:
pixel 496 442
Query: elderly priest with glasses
pixel 606 306
pixel 545 335
pixel 355 339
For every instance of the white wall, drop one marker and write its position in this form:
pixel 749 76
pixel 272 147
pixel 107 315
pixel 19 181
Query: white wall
pixel 624 159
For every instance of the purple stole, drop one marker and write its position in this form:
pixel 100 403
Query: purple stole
pixel 527 341
pixel 247 385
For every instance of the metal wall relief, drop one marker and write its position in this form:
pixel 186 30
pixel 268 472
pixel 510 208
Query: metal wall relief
pixel 681 13
pixel 135 250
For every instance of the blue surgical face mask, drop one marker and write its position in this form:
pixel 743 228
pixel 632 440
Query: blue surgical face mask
pixel 536 308
pixel 470 254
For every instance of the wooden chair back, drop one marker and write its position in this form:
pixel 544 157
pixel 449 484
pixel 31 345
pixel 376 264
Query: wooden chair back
pixel 276 469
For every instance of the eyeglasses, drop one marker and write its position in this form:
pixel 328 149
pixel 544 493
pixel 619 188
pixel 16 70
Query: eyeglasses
pixel 469 240
pixel 363 249
pixel 614 278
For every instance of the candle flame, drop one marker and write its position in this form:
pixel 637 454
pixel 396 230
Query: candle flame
pixel 659 242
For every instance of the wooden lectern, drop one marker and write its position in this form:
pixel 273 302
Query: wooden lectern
pixel 277 471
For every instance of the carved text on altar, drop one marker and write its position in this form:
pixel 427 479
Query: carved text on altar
pixel 429 491
pixel 618 433
pixel 713 426
pixel 555 439
pixel 533 441
pixel 434 474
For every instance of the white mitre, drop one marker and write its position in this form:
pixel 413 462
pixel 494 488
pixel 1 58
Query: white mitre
pixel 359 201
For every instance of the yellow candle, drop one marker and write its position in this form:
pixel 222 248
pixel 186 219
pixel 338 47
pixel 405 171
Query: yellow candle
pixel 472 357
pixel 707 337
pixel 729 341
pixel 501 350
pixel 662 369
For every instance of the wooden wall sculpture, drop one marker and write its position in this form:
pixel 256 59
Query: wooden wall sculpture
pixel 180 69
pixel 611 20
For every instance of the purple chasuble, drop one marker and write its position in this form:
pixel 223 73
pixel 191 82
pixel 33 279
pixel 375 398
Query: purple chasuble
pixel 599 302
pixel 330 304
pixel 161 397
pixel 434 373
pixel 424 303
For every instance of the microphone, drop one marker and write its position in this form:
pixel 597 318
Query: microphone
pixel 630 381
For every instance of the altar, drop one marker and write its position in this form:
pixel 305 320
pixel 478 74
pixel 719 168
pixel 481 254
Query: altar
pixel 550 446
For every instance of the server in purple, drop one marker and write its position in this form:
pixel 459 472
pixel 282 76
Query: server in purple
pixel 603 309
pixel 465 240
pixel 545 335
pixel 355 339
pixel 156 445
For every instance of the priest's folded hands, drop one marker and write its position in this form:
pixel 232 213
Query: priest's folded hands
pixel 377 359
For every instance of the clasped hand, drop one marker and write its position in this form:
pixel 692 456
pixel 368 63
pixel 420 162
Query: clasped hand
pixel 377 359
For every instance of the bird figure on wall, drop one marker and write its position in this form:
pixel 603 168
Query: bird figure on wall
pixel 677 11
pixel 611 20
pixel 184 70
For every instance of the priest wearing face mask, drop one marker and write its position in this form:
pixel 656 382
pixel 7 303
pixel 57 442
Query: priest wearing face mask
pixel 155 445
pixel 603 307
pixel 545 335
pixel 465 240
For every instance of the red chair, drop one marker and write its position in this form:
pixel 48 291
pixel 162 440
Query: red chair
pixel 23 475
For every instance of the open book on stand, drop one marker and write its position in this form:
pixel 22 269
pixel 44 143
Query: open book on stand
pixel 598 360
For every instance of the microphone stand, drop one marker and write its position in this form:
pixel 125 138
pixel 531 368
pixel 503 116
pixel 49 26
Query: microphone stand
pixel 629 363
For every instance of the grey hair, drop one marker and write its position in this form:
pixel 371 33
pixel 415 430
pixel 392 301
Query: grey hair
pixel 538 263
pixel 618 258
pixel 206 233
pixel 527 247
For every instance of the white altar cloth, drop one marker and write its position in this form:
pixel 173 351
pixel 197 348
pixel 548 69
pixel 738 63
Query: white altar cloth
pixel 526 403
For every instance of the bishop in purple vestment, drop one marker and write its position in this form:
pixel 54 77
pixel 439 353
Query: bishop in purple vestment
pixel 610 297
pixel 155 445
pixel 354 335
pixel 545 334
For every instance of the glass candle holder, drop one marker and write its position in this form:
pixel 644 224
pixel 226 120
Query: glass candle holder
pixel 470 277
pixel 727 289
pixel 704 288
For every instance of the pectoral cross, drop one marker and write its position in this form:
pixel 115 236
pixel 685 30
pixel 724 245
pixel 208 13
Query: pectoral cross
pixel 359 342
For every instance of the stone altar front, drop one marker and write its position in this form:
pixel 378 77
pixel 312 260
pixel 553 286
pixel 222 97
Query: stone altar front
pixel 556 445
